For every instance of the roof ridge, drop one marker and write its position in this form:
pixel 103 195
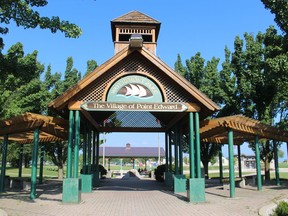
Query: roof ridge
pixel 137 17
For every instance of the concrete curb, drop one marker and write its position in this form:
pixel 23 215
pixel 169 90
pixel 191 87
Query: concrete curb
pixel 3 213
pixel 267 210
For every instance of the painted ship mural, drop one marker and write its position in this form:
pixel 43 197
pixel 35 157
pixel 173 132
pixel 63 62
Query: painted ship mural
pixel 135 89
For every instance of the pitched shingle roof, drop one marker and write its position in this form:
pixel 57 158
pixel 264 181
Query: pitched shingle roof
pixel 136 17
pixel 131 152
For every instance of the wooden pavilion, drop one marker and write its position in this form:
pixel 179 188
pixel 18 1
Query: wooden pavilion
pixel 135 91
pixel 146 153
pixel 30 128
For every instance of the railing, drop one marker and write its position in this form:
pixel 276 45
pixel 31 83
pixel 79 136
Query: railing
pixel 135 31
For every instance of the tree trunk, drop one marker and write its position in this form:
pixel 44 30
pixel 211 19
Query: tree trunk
pixel 267 169
pixel 60 172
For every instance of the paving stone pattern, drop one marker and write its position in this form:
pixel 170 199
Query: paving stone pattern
pixel 140 198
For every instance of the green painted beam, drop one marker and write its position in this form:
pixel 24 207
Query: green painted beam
pixel 170 152
pixel 34 164
pixel 77 143
pixel 42 152
pixel 89 151
pixel 3 166
pixel 258 167
pixel 220 163
pixel 70 144
pixel 84 165
pixel 197 142
pixel 180 150
pixel 231 163
pixel 191 146
pixel 239 161
pixel 166 151
pixel 94 148
pixel 176 152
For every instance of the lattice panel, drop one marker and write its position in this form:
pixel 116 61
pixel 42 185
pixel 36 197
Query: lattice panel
pixel 135 63
pixel 133 119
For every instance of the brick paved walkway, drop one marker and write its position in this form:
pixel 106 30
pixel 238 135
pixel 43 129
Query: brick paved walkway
pixel 141 198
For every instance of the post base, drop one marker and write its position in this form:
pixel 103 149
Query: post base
pixel 180 183
pixel 196 190
pixel 71 190
pixel 86 183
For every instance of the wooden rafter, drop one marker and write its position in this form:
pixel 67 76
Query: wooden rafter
pixel 245 129
pixel 21 128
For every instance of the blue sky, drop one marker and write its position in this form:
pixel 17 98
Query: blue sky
pixel 187 27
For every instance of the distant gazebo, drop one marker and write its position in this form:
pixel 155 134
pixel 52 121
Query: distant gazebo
pixel 132 152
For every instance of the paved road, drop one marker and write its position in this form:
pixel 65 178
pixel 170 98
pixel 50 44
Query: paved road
pixel 141 198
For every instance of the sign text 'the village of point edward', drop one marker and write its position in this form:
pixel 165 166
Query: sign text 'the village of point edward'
pixel 134 93
pixel 123 106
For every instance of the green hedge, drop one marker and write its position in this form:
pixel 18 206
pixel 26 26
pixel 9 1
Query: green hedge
pixel 281 209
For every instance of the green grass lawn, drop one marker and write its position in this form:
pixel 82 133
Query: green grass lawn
pixel 48 171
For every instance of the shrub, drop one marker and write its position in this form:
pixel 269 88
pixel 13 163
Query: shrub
pixel 102 170
pixel 93 169
pixel 159 173
pixel 281 209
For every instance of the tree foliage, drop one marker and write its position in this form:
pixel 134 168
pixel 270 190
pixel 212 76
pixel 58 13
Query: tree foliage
pixel 204 76
pixel 252 82
pixel 23 89
pixel 20 85
pixel 280 9
pixel 24 13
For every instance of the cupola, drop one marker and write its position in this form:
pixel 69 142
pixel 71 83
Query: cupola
pixel 135 29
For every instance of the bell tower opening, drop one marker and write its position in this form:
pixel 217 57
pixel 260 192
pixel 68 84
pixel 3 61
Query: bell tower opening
pixel 125 28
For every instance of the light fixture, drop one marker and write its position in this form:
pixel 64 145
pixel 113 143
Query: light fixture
pixel 136 41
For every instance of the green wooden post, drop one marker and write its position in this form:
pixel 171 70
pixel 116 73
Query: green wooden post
pixel 77 142
pixel 191 146
pixel 97 153
pixel 84 165
pixel 3 167
pixel 166 151
pixel 41 163
pixel 258 167
pixel 231 164
pixel 20 160
pixel 198 153
pixel 196 186
pixel 170 152
pixel 70 144
pixel 89 151
pixel 176 152
pixel 220 163
pixel 96 158
pixel 34 164
pixel 239 161
pixel 94 148
pixel 180 150
pixel 276 162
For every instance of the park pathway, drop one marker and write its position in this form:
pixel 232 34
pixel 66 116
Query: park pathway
pixel 137 197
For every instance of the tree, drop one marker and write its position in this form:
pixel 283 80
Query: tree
pixel 91 65
pixel 207 79
pixel 23 14
pixel 259 65
pixel 54 87
pixel 280 9
pixel 20 86
pixel 20 91
pixel 195 67
pixel 179 68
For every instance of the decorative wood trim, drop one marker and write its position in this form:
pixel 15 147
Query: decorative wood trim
pixel 75 105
